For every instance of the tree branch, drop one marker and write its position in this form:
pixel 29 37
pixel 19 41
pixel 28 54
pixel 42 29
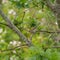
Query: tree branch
pixel 14 28
pixel 35 30
pixel 25 46
pixel 3 24
pixel 11 49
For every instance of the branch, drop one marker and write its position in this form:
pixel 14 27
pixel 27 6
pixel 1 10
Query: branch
pixel 49 31
pixel 34 30
pixel 44 31
pixel 3 24
pixel 51 47
pixel 25 46
pixel 23 16
pixel 11 49
pixel 14 28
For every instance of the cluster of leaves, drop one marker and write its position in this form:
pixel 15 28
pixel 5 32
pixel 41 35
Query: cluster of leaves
pixel 28 16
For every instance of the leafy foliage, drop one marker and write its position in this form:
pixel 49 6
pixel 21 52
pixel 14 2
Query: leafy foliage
pixel 37 23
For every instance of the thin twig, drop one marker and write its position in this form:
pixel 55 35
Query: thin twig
pixel 32 31
pixel 3 24
pixel 11 49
